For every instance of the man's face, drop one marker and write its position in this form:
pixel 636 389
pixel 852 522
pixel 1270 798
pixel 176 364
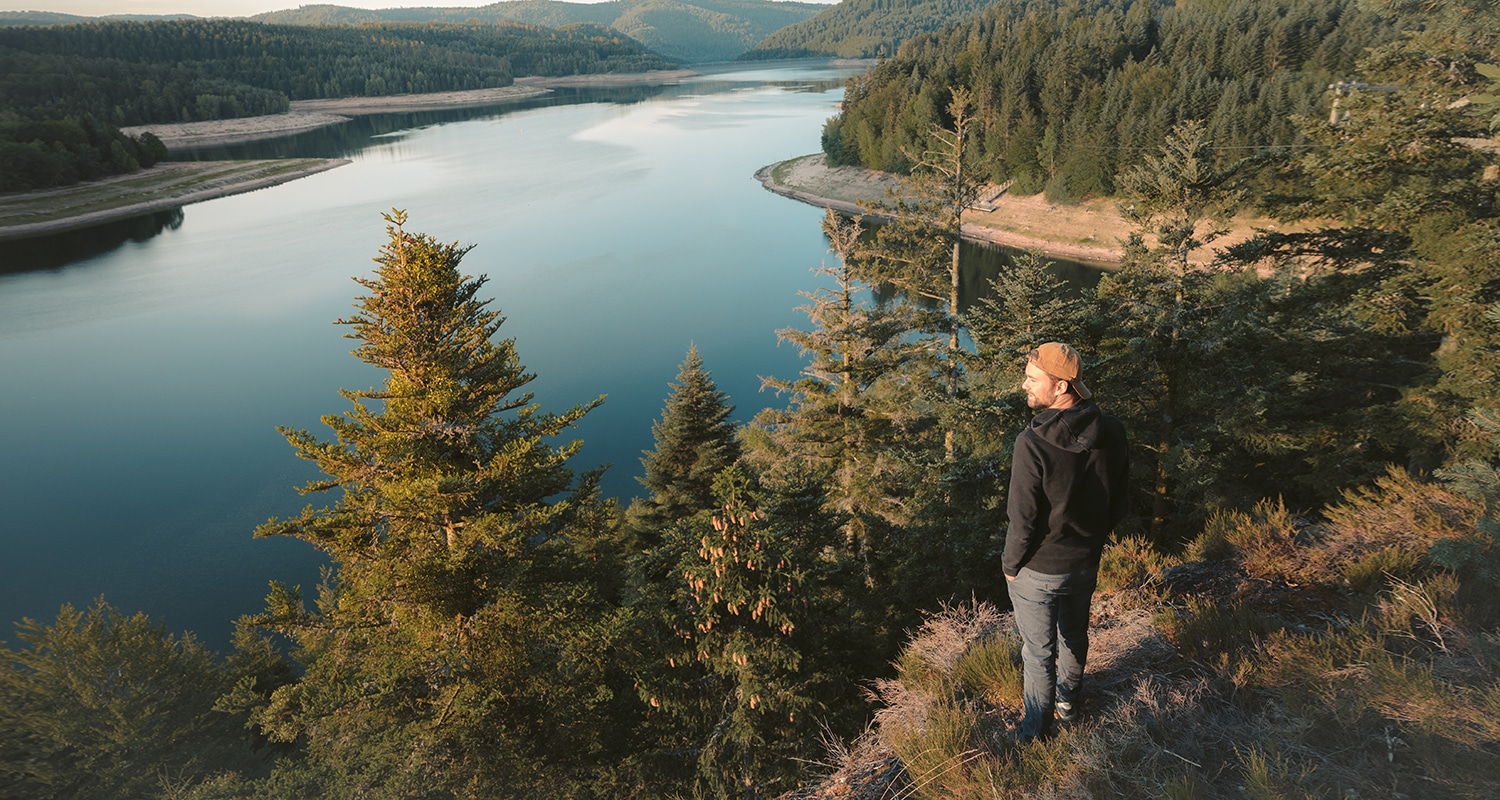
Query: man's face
pixel 1041 390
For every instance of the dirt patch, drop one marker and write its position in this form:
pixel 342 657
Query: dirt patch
pixel 432 101
pixel 167 185
pixel 1092 231
pixel 230 131
pixel 309 114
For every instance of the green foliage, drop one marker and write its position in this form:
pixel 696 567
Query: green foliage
pixel 1131 567
pixel 754 624
pixel 917 250
pixel 991 669
pixel 37 154
pixel 1070 95
pixel 693 31
pixel 100 704
pixel 458 602
pixel 694 442
pixel 1211 632
pixel 136 73
pixel 864 28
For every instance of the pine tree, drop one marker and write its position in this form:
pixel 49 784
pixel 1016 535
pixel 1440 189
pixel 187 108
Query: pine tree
pixel 695 440
pixel 846 418
pixel 918 249
pixel 101 704
pixel 450 613
pixel 1172 354
pixel 1404 166
pixel 751 664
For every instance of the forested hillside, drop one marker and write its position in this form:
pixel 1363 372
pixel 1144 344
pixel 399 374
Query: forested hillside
pixel 12 18
pixel 692 31
pixel 58 84
pixel 1067 96
pixel 865 28
pixel 1299 604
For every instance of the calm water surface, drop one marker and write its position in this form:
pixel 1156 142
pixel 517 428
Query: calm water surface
pixel 142 386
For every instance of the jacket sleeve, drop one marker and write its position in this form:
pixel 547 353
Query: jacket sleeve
pixel 1026 505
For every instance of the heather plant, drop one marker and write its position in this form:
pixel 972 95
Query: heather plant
pixel 1132 568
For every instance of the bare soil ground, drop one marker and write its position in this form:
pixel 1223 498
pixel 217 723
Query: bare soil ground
pixel 166 185
pixel 661 77
pixel 1092 231
pixel 309 114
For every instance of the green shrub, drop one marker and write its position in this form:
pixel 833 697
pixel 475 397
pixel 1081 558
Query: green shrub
pixel 991 670
pixel 1130 564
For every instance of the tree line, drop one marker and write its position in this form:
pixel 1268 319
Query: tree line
pixel 692 31
pixel 491 626
pixel 58 83
pixel 1069 95
pixel 864 28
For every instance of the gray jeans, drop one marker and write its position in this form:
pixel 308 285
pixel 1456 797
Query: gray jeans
pixel 1052 615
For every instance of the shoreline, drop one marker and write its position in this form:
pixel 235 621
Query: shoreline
pixel 168 185
pixel 172 184
pixel 1009 222
pixel 1092 232
pixel 306 115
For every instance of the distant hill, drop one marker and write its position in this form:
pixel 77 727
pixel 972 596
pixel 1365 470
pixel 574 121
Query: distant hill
pixel 689 31
pixel 864 28
pixel 17 18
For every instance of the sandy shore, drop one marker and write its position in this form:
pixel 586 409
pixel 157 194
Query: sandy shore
pixel 661 77
pixel 167 185
pixel 173 184
pixel 1091 232
pixel 309 114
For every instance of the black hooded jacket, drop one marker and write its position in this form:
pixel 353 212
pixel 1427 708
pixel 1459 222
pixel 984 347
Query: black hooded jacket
pixel 1067 490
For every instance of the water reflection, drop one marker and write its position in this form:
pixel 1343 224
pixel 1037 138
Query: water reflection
pixel 362 132
pixel 980 263
pixel 60 249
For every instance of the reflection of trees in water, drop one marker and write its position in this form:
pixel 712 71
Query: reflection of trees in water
pixel 981 263
pixel 347 139
pixel 343 141
pixel 58 249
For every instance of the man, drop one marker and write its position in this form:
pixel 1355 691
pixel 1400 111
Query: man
pixel 1067 492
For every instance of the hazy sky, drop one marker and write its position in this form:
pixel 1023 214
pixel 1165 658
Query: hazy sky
pixel 211 8
pixel 219 8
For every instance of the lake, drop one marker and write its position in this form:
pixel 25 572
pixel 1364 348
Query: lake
pixel 147 366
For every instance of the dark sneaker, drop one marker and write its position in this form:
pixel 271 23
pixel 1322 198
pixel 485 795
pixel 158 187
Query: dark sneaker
pixel 1066 712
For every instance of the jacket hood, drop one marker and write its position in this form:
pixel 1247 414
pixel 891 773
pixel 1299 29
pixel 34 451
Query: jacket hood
pixel 1075 429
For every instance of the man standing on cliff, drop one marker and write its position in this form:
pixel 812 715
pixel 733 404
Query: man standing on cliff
pixel 1067 492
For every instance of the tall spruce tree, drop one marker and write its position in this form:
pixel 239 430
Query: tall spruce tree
pixel 847 418
pixel 452 610
pixel 695 440
pixel 1178 319
pixel 918 249
pixel 1409 166
pixel 101 704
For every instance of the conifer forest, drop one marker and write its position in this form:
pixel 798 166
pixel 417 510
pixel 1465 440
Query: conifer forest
pixel 1300 603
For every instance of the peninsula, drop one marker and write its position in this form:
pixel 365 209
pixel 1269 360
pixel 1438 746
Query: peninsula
pixel 171 184
pixel 1092 232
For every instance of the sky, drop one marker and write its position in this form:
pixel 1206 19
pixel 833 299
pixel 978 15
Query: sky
pixel 220 8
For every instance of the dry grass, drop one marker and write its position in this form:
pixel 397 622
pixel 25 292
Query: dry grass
pixel 1280 659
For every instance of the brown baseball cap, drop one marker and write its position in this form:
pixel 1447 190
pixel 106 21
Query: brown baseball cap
pixel 1061 361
